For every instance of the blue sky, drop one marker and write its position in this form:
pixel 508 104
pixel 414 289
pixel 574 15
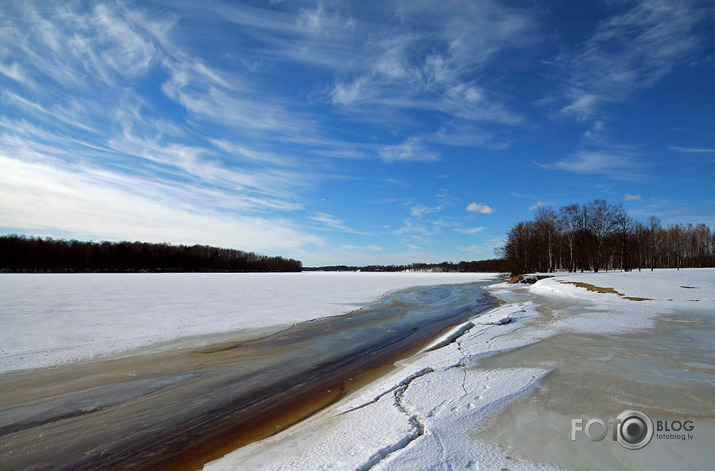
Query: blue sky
pixel 351 132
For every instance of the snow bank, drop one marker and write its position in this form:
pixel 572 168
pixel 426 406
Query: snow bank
pixel 616 302
pixel 46 319
pixel 659 289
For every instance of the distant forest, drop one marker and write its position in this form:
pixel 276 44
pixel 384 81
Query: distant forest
pixel 600 236
pixel 495 266
pixel 596 236
pixel 34 254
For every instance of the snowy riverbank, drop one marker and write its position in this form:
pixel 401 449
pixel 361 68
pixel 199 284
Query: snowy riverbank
pixel 437 410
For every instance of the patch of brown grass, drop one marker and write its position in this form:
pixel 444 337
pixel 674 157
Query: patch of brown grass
pixel 515 279
pixel 527 279
pixel 591 287
pixel 599 289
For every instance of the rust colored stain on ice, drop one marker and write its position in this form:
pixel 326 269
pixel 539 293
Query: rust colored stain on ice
pixel 598 289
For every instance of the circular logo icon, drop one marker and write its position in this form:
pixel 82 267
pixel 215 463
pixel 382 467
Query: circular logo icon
pixel 634 429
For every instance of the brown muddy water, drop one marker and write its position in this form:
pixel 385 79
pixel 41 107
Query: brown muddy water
pixel 182 404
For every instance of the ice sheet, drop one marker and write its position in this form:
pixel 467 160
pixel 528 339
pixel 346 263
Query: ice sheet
pixel 46 319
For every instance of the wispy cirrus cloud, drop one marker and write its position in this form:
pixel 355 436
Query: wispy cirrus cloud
pixel 248 111
pixel 364 248
pixel 417 230
pixel 333 222
pixel 88 47
pixel 381 62
pixel 419 210
pixel 96 109
pixel 432 68
pixel 255 188
pixel 411 150
pixel 627 52
pixel 470 230
pixel 614 164
pixel 692 150
pixel 228 102
pixel 69 114
pixel 79 200
pixel 14 71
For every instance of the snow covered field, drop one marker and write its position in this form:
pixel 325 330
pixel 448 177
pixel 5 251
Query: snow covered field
pixel 436 411
pixel 47 319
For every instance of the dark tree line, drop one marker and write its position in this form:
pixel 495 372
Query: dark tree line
pixel 494 265
pixel 599 236
pixel 34 254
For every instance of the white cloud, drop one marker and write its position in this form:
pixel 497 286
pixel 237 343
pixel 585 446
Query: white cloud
pixel 364 248
pixel 464 134
pixel 72 113
pixel 120 47
pixel 471 230
pixel 418 231
pixel 41 197
pixel 410 150
pixel 614 164
pixel 480 208
pixel 14 71
pixel 521 195
pixel 419 211
pixel 476 249
pixel 312 21
pixel 243 152
pixel 466 101
pixel 630 197
pixel 583 104
pixel 692 150
pixel 539 204
pixel 348 93
pixel 334 223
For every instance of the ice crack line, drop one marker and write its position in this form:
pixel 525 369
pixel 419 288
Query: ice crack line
pixel 400 389
pixel 401 384
pixel 414 420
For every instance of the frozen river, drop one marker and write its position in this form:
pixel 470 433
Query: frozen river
pixel 49 319
pixel 194 399
pixel 185 368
